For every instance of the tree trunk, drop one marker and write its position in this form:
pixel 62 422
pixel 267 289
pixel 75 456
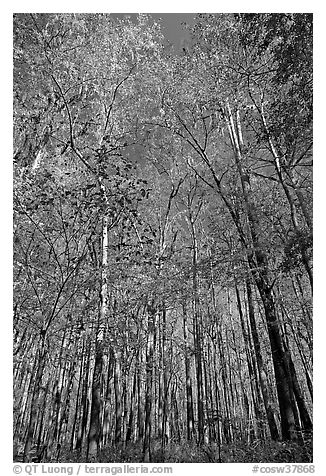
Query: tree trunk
pixel 117 393
pixel 190 409
pixel 197 327
pixel 254 385
pixel 147 456
pixel 261 366
pixel 95 430
pixel 258 264
pixel 40 363
pixel 129 432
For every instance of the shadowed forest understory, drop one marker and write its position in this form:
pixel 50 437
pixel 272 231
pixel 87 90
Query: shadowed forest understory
pixel 162 239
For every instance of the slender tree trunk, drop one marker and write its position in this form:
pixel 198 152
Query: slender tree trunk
pixel 147 456
pixel 258 264
pixel 226 420
pixel 95 430
pixel 107 409
pixel 165 386
pixel 260 366
pixel 197 328
pixel 140 413
pixel 303 411
pixel 94 434
pixel 40 363
pixel 84 406
pixel 78 403
pixel 254 391
pixel 190 408
pixel 118 400
pixel 132 404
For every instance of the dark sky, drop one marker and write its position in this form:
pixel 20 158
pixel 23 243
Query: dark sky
pixel 171 23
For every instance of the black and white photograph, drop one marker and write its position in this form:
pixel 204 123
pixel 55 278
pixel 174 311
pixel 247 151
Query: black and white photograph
pixel 162 240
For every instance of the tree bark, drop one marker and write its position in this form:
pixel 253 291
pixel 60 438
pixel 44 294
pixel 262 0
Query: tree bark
pixel 147 453
pixel 40 363
pixel 95 430
pixel 190 408
pixel 258 264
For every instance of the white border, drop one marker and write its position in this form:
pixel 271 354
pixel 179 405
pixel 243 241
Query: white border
pixel 319 197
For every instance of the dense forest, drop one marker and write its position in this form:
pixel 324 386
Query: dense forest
pixel 162 239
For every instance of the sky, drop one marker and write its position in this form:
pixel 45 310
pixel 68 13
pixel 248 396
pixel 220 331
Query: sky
pixel 172 25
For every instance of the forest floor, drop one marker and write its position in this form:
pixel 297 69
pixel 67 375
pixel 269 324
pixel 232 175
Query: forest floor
pixel 187 452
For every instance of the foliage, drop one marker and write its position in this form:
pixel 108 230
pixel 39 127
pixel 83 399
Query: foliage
pixel 186 452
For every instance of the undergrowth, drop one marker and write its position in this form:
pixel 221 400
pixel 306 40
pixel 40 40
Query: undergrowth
pixel 189 452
